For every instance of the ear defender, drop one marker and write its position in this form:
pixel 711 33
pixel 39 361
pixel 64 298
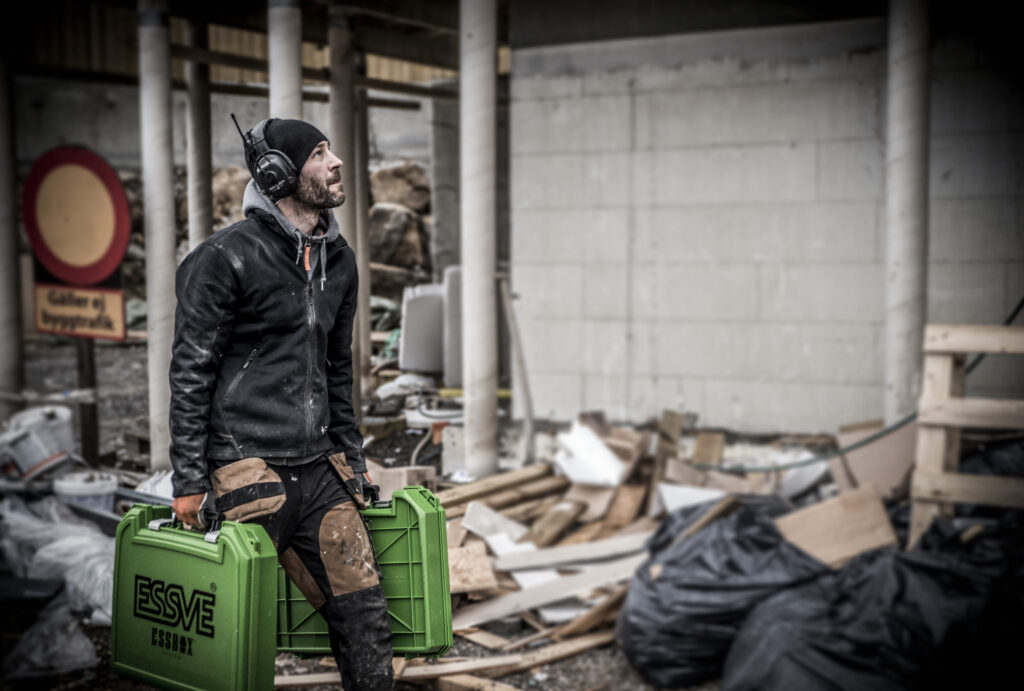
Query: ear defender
pixel 271 169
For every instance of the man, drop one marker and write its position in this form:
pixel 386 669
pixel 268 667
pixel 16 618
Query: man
pixel 261 411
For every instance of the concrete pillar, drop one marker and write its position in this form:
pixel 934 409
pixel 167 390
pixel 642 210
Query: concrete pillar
pixel 12 370
pixel 343 142
pixel 444 183
pixel 363 226
pixel 284 49
pixel 906 167
pixel 158 201
pixel 200 163
pixel 478 156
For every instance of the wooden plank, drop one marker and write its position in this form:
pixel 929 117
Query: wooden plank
pixel 294 681
pixel 934 443
pixel 585 533
pixel 518 512
pixel 991 490
pixel 595 616
pixel 486 639
pixel 498 663
pixel 972 413
pixel 527 640
pixel 573 554
pixel 670 427
pixel 469 569
pixel 546 593
pixel 836 530
pixel 626 506
pixel 508 497
pixel 709 448
pixel 494 483
pixel 971 338
pixel 596 499
pixel 559 651
pixel 467 682
pixel 549 527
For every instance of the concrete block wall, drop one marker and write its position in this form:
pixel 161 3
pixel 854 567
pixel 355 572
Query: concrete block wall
pixel 697 221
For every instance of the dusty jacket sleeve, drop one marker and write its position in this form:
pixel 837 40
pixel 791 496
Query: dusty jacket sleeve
pixel 206 290
pixel 344 429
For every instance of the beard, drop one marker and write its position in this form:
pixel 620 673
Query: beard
pixel 317 194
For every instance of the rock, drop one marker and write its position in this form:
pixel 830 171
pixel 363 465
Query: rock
pixel 228 187
pixel 405 183
pixel 395 235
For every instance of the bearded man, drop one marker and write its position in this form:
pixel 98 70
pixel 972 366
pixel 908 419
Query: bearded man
pixel 262 424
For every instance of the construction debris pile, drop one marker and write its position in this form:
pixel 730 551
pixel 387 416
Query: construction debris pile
pixel 648 539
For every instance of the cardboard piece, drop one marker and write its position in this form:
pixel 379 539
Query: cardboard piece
pixel 885 464
pixel 836 530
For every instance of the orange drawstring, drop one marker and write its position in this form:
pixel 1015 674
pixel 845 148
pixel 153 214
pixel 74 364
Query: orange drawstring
pixel 306 257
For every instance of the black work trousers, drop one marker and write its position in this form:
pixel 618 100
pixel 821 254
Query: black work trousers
pixel 324 546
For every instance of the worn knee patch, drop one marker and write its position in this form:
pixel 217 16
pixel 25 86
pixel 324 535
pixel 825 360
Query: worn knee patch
pixel 346 550
pixel 247 489
pixel 301 577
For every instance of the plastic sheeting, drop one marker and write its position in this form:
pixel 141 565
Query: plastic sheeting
pixel 688 601
pixel 45 540
pixel 948 615
pixel 55 644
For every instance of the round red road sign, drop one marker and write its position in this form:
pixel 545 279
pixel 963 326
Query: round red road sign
pixel 76 215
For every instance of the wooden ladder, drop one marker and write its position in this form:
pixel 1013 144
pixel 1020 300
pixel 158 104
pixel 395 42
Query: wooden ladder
pixel 944 411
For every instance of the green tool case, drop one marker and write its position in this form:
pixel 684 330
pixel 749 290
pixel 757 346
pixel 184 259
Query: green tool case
pixel 195 611
pixel 191 610
pixel 410 540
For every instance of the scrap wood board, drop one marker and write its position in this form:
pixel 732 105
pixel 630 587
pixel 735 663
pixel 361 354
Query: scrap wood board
pixel 598 550
pixel 546 593
pixel 836 530
pixel 470 569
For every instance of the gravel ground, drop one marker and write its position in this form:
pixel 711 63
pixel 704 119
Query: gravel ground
pixel 121 372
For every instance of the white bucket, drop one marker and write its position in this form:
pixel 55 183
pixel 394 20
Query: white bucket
pixel 87 488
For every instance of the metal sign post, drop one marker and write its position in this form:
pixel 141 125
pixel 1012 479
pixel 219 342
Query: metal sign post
pixel 78 223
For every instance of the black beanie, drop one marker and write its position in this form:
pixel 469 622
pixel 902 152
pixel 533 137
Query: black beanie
pixel 294 138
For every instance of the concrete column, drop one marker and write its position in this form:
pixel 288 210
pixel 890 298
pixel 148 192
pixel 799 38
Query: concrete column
pixel 343 142
pixel 12 370
pixel 906 167
pixel 363 226
pixel 200 163
pixel 284 49
pixel 444 184
pixel 478 156
pixel 158 201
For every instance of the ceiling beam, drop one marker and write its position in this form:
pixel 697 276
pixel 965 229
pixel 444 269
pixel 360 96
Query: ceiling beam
pixel 438 15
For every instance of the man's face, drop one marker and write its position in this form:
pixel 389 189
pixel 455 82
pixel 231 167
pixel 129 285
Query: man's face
pixel 320 179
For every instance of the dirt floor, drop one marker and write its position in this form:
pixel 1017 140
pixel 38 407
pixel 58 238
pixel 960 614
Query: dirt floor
pixel 121 371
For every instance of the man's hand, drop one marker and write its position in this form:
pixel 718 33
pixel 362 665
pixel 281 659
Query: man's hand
pixel 186 508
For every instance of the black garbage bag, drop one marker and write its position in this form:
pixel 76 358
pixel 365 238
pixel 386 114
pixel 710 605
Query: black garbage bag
pixel 946 615
pixel 687 602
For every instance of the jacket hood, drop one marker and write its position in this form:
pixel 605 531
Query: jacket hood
pixel 253 199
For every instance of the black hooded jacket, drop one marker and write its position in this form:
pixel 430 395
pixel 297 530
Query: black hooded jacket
pixel 261 363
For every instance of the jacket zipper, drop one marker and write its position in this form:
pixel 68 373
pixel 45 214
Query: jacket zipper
pixel 311 320
pixel 241 373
